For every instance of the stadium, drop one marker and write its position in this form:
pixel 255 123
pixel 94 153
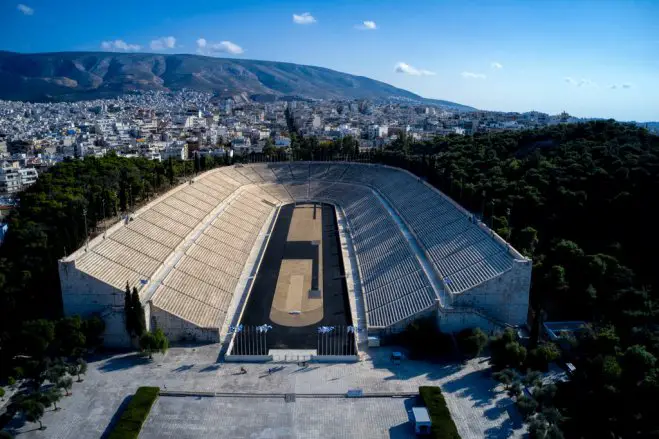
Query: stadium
pixel 267 257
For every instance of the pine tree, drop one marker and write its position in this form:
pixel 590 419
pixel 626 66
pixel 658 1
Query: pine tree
pixel 138 313
pixel 128 310
pixel 170 171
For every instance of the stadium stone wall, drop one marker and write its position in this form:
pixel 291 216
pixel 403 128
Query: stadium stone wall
pixel 85 295
pixel 504 298
pixel 181 330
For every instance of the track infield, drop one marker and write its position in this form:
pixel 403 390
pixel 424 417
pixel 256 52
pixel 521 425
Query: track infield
pixel 300 284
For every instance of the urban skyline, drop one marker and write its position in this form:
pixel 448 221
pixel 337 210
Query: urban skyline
pixel 589 59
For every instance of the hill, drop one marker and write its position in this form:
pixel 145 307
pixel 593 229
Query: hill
pixel 68 76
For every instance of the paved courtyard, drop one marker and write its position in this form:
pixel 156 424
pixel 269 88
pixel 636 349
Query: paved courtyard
pixel 273 418
pixel 480 409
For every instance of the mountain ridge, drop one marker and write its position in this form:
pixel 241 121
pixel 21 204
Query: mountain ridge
pixel 70 76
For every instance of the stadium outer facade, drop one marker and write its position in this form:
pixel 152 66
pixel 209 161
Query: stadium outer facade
pixel 409 251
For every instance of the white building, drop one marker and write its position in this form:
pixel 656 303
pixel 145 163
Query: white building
pixel 176 150
pixel 378 131
pixel 13 178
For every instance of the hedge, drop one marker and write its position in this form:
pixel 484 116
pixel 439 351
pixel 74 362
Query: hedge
pixel 135 413
pixel 443 426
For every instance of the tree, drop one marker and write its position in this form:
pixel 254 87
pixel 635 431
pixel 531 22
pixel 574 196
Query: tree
pixel 37 335
pixel 501 347
pixel 611 369
pixel 138 313
pixel 544 395
pixel 506 377
pixel 532 378
pixel 55 372
pixel 93 329
pixel 50 397
pixel 156 341
pixel 540 357
pixel 65 383
pixel 506 351
pixel 472 341
pixel 128 311
pixel 5 435
pixel 557 280
pixel 33 411
pixel 526 406
pixel 170 171
pixel 70 339
pixel 527 241
pixel 269 147
pixel 79 368
pixel 637 363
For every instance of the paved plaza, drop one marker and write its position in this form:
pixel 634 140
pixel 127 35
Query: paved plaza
pixel 480 409
pixel 274 418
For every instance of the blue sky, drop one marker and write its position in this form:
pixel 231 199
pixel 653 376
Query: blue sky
pixel 590 58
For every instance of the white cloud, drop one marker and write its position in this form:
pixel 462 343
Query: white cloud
pixel 25 9
pixel 304 18
pixel 496 66
pixel 583 82
pixel 367 25
pixel 120 45
pixel 401 67
pixel 163 43
pixel 208 48
pixel 625 85
pixel 586 83
pixel 473 75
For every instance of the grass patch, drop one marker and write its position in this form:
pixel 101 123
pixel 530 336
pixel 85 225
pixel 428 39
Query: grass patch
pixel 135 413
pixel 443 426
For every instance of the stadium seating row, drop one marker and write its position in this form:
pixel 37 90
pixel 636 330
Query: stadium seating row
pixel 463 254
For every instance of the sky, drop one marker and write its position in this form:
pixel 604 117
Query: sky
pixel 589 58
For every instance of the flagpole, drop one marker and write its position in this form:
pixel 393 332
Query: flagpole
pixel 249 340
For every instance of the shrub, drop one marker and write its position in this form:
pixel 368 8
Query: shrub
pixel 506 351
pixel 471 341
pixel 443 426
pixel 526 406
pixel 135 413
pixel 540 357
pixel 2 392
pixel 156 341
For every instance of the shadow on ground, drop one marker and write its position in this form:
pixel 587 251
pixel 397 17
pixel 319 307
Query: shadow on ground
pixel 406 429
pixel 183 368
pixel 408 369
pixel 503 431
pixel 116 416
pixel 464 386
pixel 113 364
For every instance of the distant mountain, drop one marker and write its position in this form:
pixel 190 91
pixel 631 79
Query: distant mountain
pixel 69 76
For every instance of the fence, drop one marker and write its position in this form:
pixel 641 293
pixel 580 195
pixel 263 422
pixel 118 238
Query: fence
pixel 250 340
pixel 330 341
pixel 336 340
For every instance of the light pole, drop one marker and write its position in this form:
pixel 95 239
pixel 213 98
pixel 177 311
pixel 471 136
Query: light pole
pixel 84 214
pixel 103 214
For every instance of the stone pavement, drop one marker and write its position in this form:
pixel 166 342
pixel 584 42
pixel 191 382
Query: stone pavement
pixel 327 418
pixel 480 410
